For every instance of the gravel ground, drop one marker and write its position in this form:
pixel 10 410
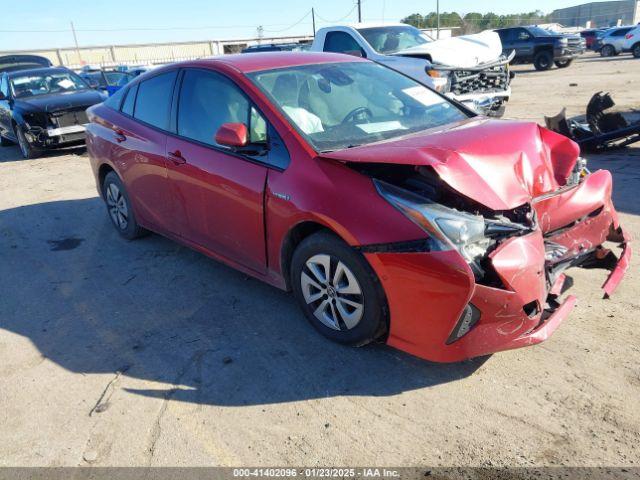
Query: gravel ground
pixel 146 353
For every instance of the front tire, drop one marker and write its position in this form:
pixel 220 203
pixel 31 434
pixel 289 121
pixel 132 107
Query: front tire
pixel 28 151
pixel 636 50
pixel 543 61
pixel 120 209
pixel 338 290
pixel 5 142
pixel 563 63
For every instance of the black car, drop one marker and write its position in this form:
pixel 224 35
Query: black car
pixel 42 108
pixel 109 81
pixel 541 47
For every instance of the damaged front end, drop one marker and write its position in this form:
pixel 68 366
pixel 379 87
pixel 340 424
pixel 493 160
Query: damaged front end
pixel 490 274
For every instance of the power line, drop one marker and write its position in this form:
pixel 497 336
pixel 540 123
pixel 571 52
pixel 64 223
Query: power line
pixel 339 19
pixel 292 25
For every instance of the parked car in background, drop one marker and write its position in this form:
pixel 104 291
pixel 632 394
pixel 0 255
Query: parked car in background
pixel 9 63
pixel 591 37
pixel 140 69
pixel 107 80
pixel 43 108
pixel 632 41
pixel 613 41
pixel 470 68
pixel 541 47
pixel 277 47
pixel 392 212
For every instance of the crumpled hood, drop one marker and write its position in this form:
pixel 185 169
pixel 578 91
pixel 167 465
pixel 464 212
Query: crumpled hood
pixel 467 51
pixel 499 163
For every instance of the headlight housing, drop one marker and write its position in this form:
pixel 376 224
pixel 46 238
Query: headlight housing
pixel 473 236
pixel 440 79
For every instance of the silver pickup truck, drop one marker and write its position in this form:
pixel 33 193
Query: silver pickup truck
pixel 470 68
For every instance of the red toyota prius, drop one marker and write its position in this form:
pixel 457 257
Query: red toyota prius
pixel 392 213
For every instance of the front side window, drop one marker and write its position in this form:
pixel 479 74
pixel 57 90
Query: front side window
pixel 341 42
pixel 338 105
pixel 31 85
pixel 153 101
pixel 207 100
pixel 393 39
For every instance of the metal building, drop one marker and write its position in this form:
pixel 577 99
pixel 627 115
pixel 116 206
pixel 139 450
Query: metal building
pixel 599 14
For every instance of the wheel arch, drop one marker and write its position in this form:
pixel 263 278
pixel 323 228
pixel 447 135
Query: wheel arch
pixel 103 171
pixel 293 238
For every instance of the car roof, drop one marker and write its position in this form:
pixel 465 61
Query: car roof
pixel 260 61
pixel 35 71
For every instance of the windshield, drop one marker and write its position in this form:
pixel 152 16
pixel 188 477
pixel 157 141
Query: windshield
pixel 46 83
pixel 540 32
pixel 118 79
pixel 341 105
pixel 393 39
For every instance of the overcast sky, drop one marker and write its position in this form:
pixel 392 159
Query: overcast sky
pixel 29 24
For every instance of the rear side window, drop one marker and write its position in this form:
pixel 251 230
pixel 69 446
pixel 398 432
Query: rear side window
pixel 153 101
pixel 129 101
pixel 341 42
pixel 207 100
pixel 620 33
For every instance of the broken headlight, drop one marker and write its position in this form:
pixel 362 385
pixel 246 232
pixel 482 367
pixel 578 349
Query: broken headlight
pixel 449 229
pixel 440 79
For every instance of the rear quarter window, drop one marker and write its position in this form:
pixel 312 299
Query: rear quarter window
pixel 129 101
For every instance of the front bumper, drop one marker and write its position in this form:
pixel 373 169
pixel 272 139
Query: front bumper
pixel 429 292
pixel 484 103
pixel 55 137
pixel 567 53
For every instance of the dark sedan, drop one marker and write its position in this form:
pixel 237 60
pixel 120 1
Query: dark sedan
pixel 44 108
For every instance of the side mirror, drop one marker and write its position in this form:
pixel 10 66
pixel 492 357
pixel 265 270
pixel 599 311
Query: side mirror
pixel 232 135
pixel 355 53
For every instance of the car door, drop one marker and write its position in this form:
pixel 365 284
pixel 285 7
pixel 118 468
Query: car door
pixel 218 194
pixel 617 38
pixel 139 149
pixel 5 108
pixel 522 42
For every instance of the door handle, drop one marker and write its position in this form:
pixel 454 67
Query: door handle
pixel 120 136
pixel 177 158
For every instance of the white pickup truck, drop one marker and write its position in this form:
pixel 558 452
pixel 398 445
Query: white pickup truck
pixel 470 68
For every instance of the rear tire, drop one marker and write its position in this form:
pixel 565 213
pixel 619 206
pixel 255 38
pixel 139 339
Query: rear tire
pixel 607 51
pixel 119 208
pixel 338 290
pixel 28 151
pixel 563 63
pixel 543 61
pixel 636 50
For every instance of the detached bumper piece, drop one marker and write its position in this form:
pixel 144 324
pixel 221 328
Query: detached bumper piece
pixel 601 131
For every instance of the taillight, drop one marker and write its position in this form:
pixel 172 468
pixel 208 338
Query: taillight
pixel 628 36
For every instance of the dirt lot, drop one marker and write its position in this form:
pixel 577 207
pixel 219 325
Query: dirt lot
pixel 146 353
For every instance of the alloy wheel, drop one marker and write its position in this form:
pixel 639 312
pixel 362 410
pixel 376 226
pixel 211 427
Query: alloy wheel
pixel 117 205
pixel 332 291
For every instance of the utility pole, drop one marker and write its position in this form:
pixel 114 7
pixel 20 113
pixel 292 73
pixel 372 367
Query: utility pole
pixel 75 39
pixel 313 20
pixel 438 19
pixel 260 32
pixel 359 11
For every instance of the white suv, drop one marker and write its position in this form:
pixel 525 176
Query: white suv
pixel 632 41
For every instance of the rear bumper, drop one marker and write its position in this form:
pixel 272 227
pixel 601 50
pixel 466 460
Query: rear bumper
pixel 428 293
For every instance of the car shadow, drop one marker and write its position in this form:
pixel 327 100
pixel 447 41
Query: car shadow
pixel 11 153
pixel 156 311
